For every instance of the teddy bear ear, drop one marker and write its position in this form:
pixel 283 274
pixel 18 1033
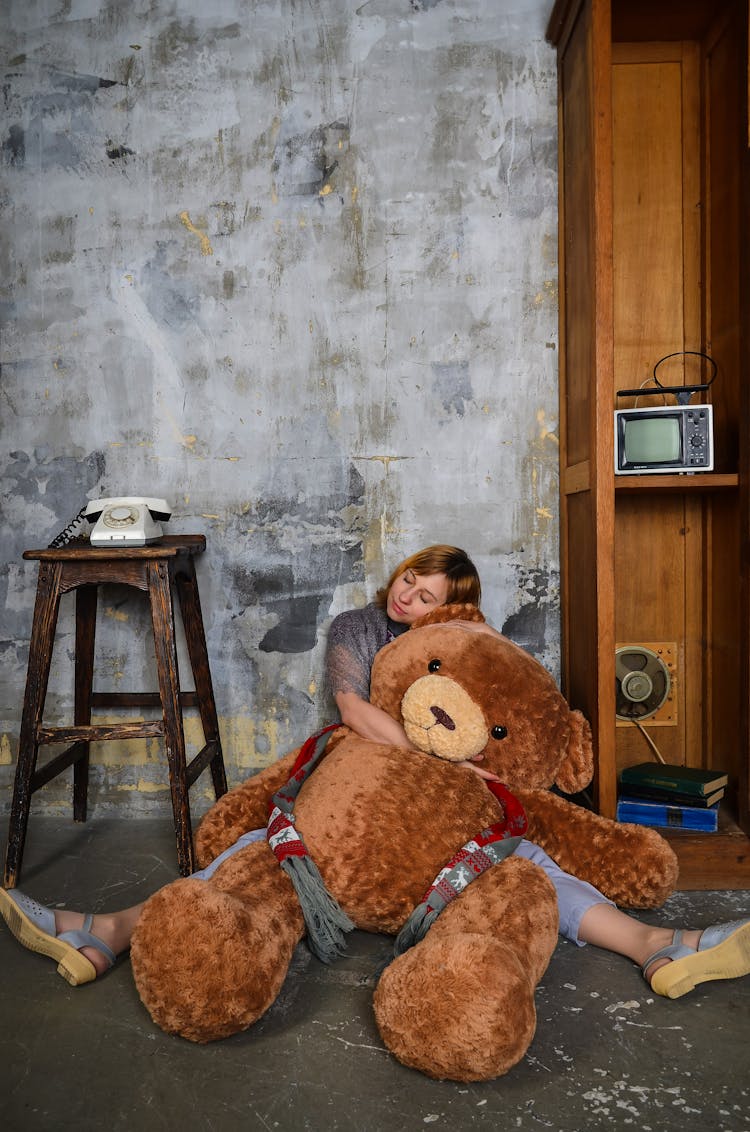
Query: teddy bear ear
pixel 458 611
pixel 577 768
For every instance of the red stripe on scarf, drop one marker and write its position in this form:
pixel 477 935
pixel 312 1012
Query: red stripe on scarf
pixel 307 750
pixel 515 822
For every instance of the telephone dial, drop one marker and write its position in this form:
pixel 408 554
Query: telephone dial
pixel 128 520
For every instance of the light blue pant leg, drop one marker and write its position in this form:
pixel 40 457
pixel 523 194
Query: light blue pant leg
pixel 574 896
pixel 240 843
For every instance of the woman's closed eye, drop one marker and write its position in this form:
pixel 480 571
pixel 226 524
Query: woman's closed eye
pixel 424 596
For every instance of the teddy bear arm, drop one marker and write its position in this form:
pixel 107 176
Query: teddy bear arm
pixel 243 808
pixel 630 864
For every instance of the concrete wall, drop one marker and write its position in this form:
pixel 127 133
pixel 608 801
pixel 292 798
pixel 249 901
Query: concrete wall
pixel 291 265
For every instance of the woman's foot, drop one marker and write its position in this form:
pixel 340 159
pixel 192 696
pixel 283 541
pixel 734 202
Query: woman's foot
pixel 65 936
pixel 721 951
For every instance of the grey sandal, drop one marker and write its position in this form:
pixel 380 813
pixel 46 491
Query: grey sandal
pixel 723 952
pixel 33 925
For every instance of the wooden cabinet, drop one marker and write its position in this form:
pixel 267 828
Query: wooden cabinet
pixel 654 219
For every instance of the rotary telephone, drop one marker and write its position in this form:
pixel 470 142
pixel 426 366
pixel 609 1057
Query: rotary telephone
pixel 121 521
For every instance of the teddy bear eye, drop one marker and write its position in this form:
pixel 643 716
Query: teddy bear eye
pixel 498 731
pixel 434 665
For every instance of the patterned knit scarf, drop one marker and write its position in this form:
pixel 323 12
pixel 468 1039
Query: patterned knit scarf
pixel 325 920
pixel 488 848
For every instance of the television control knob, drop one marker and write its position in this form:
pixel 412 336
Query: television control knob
pixel 696 440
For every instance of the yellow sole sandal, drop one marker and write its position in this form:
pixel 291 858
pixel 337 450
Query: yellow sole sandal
pixel 33 925
pixel 723 952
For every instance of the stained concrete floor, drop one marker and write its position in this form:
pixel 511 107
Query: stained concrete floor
pixel 607 1052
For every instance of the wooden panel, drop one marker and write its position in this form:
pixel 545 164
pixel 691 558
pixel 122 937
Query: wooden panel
pixel 586 378
pixel 725 133
pixel 656 241
pixel 582 687
pixel 659 542
pixel 726 586
pixel 578 250
pixel 634 20
pixel 711 861
pixel 576 477
pixel 743 511
pixel 658 572
pixel 723 735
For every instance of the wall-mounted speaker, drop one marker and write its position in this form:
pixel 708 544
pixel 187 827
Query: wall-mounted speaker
pixel 642 682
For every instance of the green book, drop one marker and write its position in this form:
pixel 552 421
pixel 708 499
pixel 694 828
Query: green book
pixel 682 779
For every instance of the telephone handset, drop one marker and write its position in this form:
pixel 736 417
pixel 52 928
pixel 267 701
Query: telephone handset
pixel 121 521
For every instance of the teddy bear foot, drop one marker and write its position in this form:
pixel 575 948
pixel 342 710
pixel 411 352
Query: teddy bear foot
pixel 205 964
pixel 459 1007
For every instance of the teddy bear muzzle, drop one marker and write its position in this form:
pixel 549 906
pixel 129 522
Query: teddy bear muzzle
pixel 440 718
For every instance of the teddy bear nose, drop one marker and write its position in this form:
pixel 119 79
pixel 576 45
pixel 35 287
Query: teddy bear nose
pixel 443 717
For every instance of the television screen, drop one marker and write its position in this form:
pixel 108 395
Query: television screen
pixel 652 440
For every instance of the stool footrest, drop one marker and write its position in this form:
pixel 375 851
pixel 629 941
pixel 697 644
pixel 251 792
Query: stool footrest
pixel 197 765
pixel 95 732
pixel 56 766
pixel 138 699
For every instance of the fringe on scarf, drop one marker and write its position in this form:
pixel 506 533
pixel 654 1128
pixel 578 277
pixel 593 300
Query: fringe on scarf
pixel 326 921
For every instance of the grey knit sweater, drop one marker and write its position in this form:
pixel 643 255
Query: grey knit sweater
pixel 353 640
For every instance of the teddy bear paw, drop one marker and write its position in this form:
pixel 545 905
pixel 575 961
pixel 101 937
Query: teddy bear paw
pixel 457 1007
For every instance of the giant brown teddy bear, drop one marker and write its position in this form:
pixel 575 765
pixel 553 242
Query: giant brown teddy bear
pixel 209 957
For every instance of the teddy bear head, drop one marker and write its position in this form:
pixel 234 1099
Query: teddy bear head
pixel 463 692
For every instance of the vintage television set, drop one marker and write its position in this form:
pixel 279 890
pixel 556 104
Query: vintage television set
pixel 676 438
pixel 665 438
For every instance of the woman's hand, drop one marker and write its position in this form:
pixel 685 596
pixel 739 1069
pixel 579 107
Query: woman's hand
pixel 475 627
pixel 486 774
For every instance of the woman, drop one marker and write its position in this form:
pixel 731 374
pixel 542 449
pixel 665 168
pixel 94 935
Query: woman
pixel 670 960
pixel 432 577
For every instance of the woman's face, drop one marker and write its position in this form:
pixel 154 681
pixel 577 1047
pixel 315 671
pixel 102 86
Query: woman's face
pixel 412 595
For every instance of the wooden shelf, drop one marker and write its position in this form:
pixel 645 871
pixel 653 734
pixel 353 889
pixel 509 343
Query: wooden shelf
pixel 711 860
pixel 700 481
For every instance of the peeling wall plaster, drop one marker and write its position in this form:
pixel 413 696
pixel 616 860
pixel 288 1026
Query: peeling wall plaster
pixel 292 267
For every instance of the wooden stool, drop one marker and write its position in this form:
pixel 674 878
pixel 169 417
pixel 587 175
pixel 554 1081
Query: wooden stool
pixel 82 567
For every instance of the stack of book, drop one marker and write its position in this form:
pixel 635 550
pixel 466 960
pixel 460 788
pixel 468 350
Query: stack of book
pixel 681 797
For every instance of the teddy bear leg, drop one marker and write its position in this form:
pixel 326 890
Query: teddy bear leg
pixel 209 957
pixel 459 1008
pixel 460 1004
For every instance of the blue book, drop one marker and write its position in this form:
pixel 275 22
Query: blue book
pixel 667 816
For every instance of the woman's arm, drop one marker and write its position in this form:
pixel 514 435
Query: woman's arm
pixel 373 723
pixel 369 721
pixel 348 664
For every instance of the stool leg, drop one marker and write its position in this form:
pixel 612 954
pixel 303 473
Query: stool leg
pixel 42 640
pixel 162 616
pixel 195 638
pixel 84 685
